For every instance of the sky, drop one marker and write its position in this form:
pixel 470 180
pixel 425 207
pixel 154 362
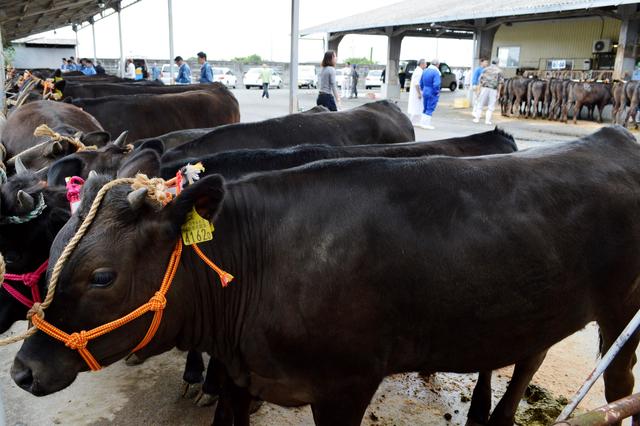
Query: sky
pixel 225 29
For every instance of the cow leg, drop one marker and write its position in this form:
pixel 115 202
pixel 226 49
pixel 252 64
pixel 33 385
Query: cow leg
pixel 480 400
pixel 345 406
pixel 192 371
pixel 505 411
pixel 576 111
pixel 211 386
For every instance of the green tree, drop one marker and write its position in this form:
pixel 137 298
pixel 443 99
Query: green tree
pixel 360 61
pixel 251 59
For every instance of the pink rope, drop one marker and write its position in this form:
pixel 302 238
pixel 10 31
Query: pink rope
pixel 30 279
pixel 74 186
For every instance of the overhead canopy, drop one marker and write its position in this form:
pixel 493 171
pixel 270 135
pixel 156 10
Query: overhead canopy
pixel 445 19
pixel 21 18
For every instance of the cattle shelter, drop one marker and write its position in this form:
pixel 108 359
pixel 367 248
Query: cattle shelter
pixel 40 52
pixel 586 38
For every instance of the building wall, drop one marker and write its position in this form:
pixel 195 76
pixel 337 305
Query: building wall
pixel 556 39
pixel 40 57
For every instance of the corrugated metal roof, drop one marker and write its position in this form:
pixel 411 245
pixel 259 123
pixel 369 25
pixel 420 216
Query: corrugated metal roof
pixel 21 18
pixel 47 41
pixel 417 12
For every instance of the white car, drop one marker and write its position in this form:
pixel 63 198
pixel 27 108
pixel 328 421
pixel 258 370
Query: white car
pixel 225 76
pixel 165 73
pixel 307 76
pixel 374 79
pixel 253 78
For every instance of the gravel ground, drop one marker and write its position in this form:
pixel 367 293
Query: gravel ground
pixel 151 393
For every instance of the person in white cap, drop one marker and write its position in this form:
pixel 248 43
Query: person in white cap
pixel 490 81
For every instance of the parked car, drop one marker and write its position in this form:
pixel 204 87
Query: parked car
pixel 225 76
pixel 252 78
pixel 165 73
pixel 373 79
pixel 139 62
pixel 449 79
pixel 307 76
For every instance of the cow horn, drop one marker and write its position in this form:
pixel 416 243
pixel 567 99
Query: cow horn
pixel 25 200
pixel 137 198
pixel 92 174
pixel 20 167
pixel 56 148
pixel 122 139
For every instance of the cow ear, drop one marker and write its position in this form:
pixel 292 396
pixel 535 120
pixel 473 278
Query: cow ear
pixel 65 167
pixel 155 144
pixel 146 161
pixel 206 195
pixel 98 138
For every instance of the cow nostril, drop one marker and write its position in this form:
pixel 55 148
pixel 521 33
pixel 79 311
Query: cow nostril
pixel 22 375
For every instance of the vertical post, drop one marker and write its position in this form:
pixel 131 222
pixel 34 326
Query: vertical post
pixel 119 10
pixel 75 30
pixel 170 10
pixel 93 31
pixel 293 64
pixel 2 94
pixel 391 87
pixel 627 41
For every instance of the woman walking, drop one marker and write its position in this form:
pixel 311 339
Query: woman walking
pixel 328 96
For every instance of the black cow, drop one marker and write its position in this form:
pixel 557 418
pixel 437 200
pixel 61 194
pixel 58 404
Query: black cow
pixel 68 120
pixel 25 243
pixel 152 115
pixel 589 95
pixel 99 90
pixel 375 122
pixel 234 164
pixel 491 247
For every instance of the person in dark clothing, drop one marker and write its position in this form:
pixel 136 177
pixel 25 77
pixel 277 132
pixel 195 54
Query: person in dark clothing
pixel 100 69
pixel 383 75
pixel 354 82
pixel 402 76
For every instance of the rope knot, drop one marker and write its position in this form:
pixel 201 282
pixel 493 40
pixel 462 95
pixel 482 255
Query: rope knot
pixel 157 302
pixel 157 189
pixel 35 310
pixel 46 131
pixel 77 340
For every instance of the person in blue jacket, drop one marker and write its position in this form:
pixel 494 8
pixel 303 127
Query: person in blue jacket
pixel 206 73
pixel 184 72
pixel 430 84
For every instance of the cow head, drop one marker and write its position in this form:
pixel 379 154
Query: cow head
pixel 25 245
pixel 43 154
pixel 116 267
pixel 107 160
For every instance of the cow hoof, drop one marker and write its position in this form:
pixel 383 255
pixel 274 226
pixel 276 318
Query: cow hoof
pixel 255 405
pixel 205 399
pixel 133 359
pixel 190 390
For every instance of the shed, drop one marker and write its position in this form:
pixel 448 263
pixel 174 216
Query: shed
pixel 40 52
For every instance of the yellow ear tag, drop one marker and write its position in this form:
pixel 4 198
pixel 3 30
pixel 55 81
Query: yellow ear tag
pixel 196 229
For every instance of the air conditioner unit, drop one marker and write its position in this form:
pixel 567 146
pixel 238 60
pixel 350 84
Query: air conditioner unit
pixel 602 46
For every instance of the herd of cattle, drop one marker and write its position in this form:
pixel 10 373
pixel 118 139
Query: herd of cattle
pixel 559 99
pixel 358 252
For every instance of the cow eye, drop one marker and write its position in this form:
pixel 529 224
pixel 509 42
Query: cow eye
pixel 102 277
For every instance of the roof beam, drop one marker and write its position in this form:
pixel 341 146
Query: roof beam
pixel 71 5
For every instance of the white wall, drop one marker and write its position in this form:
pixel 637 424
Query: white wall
pixel 40 57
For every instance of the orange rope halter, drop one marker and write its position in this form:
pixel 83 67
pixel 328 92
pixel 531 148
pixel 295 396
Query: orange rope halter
pixel 79 340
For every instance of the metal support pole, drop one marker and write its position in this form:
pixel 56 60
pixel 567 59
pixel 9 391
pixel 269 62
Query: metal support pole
pixel 75 30
pixel 170 6
pixel 2 75
pixel 293 64
pixel 607 414
pixel 93 31
pixel 120 39
pixel 602 365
